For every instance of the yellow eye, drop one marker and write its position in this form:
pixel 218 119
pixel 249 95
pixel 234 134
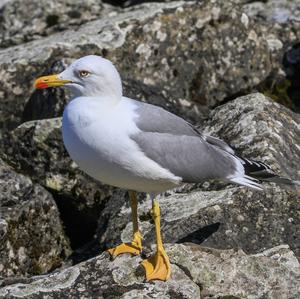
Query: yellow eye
pixel 84 74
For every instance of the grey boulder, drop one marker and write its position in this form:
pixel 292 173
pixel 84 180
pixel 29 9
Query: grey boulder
pixel 280 23
pixel 213 47
pixel 23 21
pixel 32 239
pixel 196 273
pixel 258 128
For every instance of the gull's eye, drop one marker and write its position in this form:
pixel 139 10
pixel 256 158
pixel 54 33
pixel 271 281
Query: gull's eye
pixel 84 74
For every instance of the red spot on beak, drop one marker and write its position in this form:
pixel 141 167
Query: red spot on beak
pixel 49 81
pixel 41 85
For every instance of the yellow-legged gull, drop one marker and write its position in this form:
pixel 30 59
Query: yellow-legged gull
pixel 140 147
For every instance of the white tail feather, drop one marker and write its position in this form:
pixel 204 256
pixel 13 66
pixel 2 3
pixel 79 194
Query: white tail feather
pixel 260 172
pixel 247 181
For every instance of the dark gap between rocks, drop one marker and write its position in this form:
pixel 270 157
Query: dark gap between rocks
pixel 127 3
pixel 80 225
pixel 233 97
pixel 52 20
pixel 88 251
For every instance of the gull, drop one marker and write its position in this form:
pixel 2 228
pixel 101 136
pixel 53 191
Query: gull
pixel 140 147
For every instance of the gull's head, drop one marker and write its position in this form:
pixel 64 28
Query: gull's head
pixel 89 76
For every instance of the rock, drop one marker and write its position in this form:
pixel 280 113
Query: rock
pixel 232 217
pixel 274 11
pixel 260 129
pixel 213 273
pixel 291 65
pixel 36 149
pixel 23 21
pixel 233 274
pixel 32 237
pixel 280 24
pixel 153 44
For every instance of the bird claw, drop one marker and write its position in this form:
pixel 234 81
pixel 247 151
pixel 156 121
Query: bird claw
pixel 134 247
pixel 157 267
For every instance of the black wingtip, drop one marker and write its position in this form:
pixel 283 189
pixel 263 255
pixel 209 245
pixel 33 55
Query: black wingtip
pixel 257 169
pixel 261 171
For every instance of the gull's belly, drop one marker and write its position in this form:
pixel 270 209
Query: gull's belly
pixel 109 167
pixel 105 151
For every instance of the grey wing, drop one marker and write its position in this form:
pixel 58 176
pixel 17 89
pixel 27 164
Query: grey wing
pixel 152 118
pixel 189 157
pixel 155 119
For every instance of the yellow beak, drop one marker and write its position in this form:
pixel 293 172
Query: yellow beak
pixel 49 81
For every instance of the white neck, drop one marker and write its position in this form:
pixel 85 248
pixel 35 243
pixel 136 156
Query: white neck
pixel 107 101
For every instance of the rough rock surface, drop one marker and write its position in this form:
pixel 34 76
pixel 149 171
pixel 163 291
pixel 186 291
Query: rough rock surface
pixel 197 272
pixel 145 45
pixel 232 217
pixel 260 129
pixel 274 11
pixel 32 240
pixel 23 21
pixel 36 149
pixel 280 23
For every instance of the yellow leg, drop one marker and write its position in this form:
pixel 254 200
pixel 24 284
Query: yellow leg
pixel 157 266
pixel 134 247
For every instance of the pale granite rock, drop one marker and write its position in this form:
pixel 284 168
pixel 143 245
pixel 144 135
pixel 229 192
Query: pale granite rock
pixel 197 272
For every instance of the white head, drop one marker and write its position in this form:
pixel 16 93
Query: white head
pixel 90 76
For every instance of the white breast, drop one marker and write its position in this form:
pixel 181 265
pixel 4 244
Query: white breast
pixel 97 136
